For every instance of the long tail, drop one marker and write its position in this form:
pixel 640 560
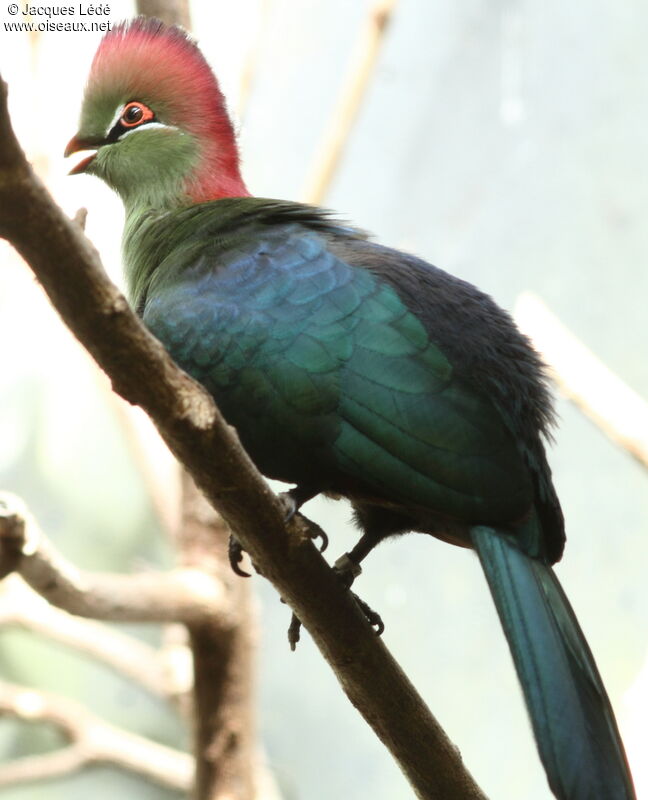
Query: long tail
pixel 572 719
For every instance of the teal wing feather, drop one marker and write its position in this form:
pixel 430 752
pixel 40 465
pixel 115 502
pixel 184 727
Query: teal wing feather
pixel 303 351
pixel 423 436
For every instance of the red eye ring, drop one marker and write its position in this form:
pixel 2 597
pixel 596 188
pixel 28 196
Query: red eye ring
pixel 135 114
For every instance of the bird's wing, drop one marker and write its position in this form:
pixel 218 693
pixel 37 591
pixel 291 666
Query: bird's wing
pixel 303 351
pixel 412 429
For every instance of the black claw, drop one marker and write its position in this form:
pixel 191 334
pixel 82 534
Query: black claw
pixel 315 532
pixel 235 552
pixel 292 501
pixel 373 618
pixel 347 570
pixel 294 632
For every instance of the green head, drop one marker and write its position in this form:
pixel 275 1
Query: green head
pixel 155 116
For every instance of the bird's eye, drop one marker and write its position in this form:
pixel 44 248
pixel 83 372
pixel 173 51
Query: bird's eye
pixel 135 114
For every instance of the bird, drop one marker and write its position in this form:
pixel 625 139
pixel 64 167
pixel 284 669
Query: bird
pixel 349 369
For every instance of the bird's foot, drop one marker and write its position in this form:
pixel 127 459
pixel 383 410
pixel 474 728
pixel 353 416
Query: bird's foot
pixel 315 532
pixel 347 571
pixel 294 630
pixel 372 617
pixel 235 553
pixel 292 501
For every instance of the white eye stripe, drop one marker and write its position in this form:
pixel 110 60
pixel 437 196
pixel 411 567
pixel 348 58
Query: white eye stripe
pixel 146 127
pixel 115 119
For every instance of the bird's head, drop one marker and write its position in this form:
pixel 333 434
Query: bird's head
pixel 156 119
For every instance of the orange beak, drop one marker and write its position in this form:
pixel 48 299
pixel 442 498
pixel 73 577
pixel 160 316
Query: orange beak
pixel 75 145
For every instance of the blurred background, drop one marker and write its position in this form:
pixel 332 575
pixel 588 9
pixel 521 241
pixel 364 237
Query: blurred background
pixel 504 141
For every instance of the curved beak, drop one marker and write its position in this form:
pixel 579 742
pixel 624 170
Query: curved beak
pixel 77 144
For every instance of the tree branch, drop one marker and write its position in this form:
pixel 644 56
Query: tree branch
pixel 223 719
pixel 91 741
pixel 143 664
pixel 182 595
pixel 195 431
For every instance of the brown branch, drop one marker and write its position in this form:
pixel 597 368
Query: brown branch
pixel 584 379
pixel 350 99
pixel 195 431
pixel 20 606
pixel 91 741
pixel 223 732
pixel 182 595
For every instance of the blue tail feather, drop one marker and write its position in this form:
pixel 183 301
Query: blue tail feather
pixel 572 719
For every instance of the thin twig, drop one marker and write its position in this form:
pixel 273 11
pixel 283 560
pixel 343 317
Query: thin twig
pixel 351 97
pixel 21 606
pixel 584 379
pixel 92 740
pixel 182 595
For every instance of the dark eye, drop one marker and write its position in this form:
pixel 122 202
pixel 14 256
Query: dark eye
pixel 135 114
